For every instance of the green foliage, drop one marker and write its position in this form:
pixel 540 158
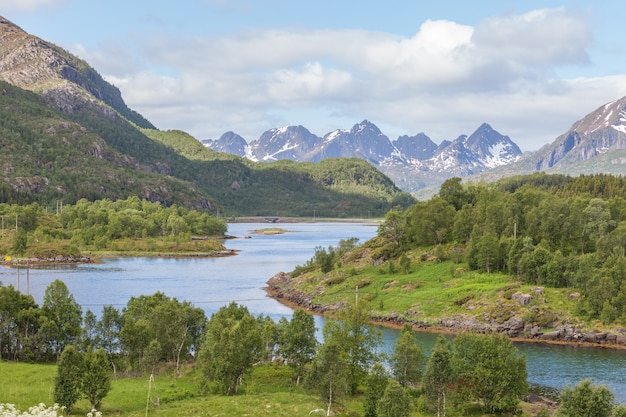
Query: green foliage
pixel 298 341
pixel 104 225
pixel 407 359
pixel 95 380
pixel 490 370
pixel 375 385
pixel 19 318
pixel 586 400
pixel 359 341
pixel 395 401
pixel 231 346
pixel 157 328
pixel 325 259
pixel 329 373
pixel 67 383
pixel 61 318
pixel 439 374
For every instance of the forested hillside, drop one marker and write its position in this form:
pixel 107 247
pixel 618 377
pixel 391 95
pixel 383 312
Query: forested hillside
pixel 539 256
pixel 50 156
pixel 332 188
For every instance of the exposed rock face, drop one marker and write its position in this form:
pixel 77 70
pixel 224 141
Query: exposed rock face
pixel 523 299
pixel 597 133
pixel 67 82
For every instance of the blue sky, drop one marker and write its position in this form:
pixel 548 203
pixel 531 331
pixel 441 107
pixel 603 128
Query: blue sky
pixel 528 68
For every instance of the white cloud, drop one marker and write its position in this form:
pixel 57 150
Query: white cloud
pixel 445 80
pixel 29 5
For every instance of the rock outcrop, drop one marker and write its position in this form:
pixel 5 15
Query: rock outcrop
pixel 280 288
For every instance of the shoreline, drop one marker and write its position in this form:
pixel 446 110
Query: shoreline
pixel 279 295
pixel 95 258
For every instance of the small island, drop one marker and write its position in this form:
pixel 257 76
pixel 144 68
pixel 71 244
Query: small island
pixel 268 231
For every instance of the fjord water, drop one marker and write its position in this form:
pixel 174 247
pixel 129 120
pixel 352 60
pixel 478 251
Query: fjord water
pixel 210 283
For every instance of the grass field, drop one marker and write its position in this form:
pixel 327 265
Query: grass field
pixel 268 391
pixel 430 290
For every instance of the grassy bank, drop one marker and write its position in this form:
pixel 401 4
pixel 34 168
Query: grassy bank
pixel 268 391
pixel 437 293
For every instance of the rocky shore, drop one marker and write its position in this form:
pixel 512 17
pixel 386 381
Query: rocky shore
pixel 54 260
pixel 515 327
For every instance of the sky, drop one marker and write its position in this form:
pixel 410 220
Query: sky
pixel 528 68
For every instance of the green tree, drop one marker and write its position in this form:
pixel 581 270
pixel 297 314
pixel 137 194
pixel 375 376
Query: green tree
pixel 597 218
pixel 394 402
pixel 393 227
pixel 231 345
pixel 487 251
pixel 358 339
pixel 439 374
pixel 95 379
pixel 19 319
pixel 68 378
pixel 20 241
pixel 88 335
pixel 586 400
pixel 429 223
pixel 407 360
pixel 375 385
pixel 176 326
pixel 61 318
pixel 329 373
pixel 299 341
pixel 453 192
pixel 490 369
pixel 107 334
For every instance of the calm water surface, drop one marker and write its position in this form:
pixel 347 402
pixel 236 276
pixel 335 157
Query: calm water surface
pixel 212 283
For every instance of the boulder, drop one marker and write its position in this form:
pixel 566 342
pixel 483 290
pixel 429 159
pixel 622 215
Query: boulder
pixel 523 299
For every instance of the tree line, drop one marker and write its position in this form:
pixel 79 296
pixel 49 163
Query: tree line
pixel 149 331
pixel 67 228
pixel 549 230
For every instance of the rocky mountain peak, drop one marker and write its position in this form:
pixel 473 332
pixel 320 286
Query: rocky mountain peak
pixel 597 133
pixel 67 82
pixel 418 147
pixel 492 147
pixel 611 115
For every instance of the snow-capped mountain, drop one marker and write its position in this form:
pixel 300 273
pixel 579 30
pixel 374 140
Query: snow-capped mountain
pixel 229 142
pixel 364 141
pixel 417 147
pixel 599 132
pixel 492 148
pixel 412 162
pixel 290 142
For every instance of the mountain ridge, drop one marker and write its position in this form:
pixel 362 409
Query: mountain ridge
pixel 67 134
pixel 404 159
pixel 418 165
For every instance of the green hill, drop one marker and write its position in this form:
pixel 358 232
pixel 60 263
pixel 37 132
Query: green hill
pixel 67 134
pixel 539 257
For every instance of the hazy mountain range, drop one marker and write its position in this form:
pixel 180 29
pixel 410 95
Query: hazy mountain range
pixel 594 144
